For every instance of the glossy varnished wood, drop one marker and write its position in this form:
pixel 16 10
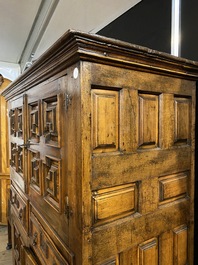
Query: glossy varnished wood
pixel 4 161
pixel 102 155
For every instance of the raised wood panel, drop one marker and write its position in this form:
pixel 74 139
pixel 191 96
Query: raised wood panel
pixel 43 246
pixel 181 245
pixel 20 162
pixel 17 158
pixel 12 122
pixel 19 122
pixel 182 120
pixel 29 258
pixel 105 118
pixel 34 170
pixel 17 245
pixel 148 252
pixel 14 158
pixel 50 123
pixel 34 121
pixel 19 207
pixel 148 120
pixel 17 180
pixel 173 187
pixel 52 181
pixel 16 122
pixel 122 201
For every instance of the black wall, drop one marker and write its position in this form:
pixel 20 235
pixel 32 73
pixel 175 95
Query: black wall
pixel 147 24
pixel 189 29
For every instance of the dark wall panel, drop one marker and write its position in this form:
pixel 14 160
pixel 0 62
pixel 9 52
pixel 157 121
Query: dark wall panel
pixel 147 24
pixel 189 29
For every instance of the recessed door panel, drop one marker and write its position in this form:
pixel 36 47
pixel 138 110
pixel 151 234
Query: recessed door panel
pixel 148 120
pixel 105 112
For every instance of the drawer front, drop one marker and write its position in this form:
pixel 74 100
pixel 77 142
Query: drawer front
pixel 19 207
pixel 21 253
pixel 29 258
pixel 43 246
pixel 18 242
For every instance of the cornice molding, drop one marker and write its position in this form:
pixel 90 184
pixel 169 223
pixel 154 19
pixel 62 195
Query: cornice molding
pixel 74 46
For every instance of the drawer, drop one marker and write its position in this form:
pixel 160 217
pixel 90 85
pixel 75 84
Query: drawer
pixel 28 257
pixel 21 253
pixel 42 244
pixel 19 207
pixel 19 241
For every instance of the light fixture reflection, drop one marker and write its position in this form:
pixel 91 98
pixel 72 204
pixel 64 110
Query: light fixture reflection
pixel 175 30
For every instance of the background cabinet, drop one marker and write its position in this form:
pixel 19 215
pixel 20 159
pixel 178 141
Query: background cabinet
pixel 4 159
pixel 102 155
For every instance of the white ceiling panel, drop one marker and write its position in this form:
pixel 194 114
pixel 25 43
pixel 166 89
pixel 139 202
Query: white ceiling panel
pixel 86 15
pixel 16 19
pixel 29 27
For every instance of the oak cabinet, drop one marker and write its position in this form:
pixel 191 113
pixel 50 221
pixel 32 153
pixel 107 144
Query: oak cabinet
pixel 102 155
pixel 4 159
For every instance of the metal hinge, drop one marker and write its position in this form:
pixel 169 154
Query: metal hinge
pixel 67 99
pixel 68 210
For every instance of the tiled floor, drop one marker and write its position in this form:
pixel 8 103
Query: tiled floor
pixel 5 255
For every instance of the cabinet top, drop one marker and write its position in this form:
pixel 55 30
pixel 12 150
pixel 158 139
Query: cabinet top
pixel 76 46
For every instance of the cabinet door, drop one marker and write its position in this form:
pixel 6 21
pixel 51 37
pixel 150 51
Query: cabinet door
pixel 37 155
pixel 17 128
pixel 45 160
pixel 17 245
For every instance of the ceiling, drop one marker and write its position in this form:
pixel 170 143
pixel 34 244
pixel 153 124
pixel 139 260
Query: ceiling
pixel 29 27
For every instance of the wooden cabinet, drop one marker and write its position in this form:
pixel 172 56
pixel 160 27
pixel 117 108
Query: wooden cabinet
pixel 102 155
pixel 4 159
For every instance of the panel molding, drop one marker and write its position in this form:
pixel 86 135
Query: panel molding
pixel 148 252
pixel 122 200
pixel 182 120
pixel 173 187
pixel 34 121
pixel 180 237
pixel 35 170
pixel 52 181
pixel 148 120
pixel 105 120
pixel 50 122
